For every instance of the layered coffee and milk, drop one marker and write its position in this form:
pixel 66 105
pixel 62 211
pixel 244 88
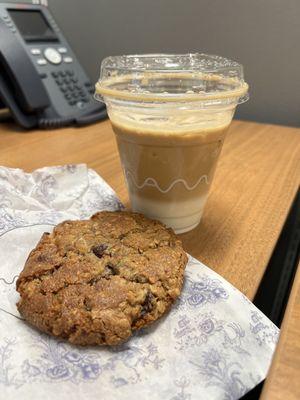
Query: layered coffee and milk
pixel 169 172
pixel 170 114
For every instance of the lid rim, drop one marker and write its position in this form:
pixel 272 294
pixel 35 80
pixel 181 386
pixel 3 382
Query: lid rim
pixel 171 97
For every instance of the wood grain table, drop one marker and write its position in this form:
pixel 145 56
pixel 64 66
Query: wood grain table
pixel 255 183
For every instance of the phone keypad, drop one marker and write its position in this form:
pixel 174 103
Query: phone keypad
pixel 74 93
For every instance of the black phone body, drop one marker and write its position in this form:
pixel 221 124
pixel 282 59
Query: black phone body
pixel 41 80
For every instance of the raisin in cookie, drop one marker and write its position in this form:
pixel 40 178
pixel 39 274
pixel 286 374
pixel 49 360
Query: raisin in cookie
pixel 98 280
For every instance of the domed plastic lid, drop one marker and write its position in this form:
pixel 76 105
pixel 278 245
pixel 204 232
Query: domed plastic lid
pixel 166 77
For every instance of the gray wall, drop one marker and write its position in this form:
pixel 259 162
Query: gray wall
pixel 264 35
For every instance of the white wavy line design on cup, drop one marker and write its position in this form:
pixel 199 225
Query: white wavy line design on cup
pixel 152 182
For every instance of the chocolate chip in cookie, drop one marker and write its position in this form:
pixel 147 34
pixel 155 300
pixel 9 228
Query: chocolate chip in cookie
pixel 99 250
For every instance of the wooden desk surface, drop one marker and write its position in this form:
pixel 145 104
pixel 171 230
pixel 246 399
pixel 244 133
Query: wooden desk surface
pixel 255 183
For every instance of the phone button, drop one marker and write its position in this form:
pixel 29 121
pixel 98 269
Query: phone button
pixel 68 59
pixel 35 52
pixel 81 104
pixel 52 55
pixel 59 81
pixel 41 61
pixel 62 50
pixel 64 89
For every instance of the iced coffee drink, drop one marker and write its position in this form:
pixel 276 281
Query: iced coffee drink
pixel 170 127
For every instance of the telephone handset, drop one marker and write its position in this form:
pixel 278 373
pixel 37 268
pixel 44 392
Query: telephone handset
pixel 41 82
pixel 21 88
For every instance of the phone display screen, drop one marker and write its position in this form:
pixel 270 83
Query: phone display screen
pixel 32 25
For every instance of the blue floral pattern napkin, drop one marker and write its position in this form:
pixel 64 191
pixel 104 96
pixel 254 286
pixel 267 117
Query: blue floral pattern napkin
pixel 214 343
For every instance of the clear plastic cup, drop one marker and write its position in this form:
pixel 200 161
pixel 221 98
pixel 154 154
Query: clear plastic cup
pixel 170 114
